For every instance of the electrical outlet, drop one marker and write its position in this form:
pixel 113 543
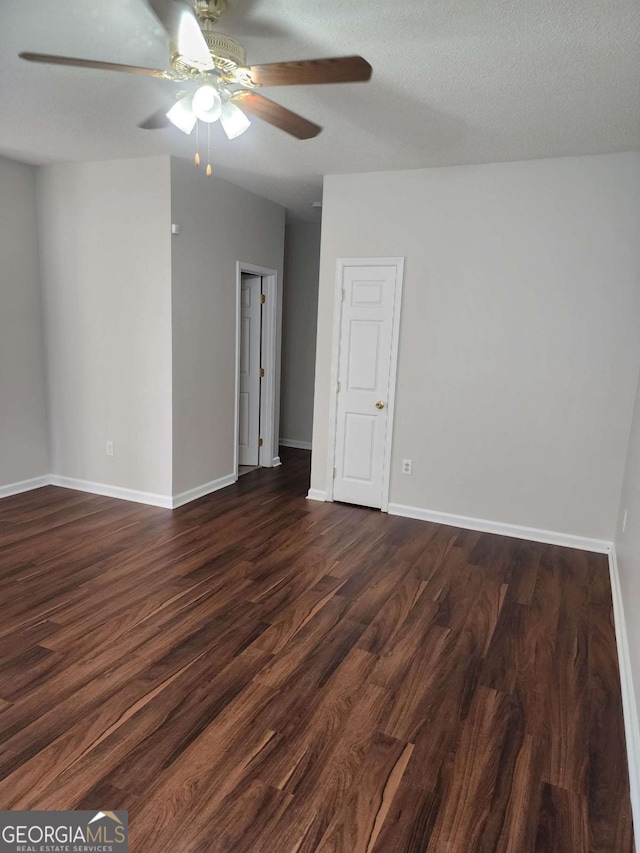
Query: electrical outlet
pixel 110 448
pixel 407 466
pixel 624 521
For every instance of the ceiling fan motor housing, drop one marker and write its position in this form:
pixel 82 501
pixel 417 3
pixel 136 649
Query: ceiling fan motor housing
pixel 226 51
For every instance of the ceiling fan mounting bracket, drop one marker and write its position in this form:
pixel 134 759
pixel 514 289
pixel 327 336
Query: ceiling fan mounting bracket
pixel 209 10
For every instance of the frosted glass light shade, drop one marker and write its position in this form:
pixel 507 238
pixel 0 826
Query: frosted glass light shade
pixel 191 43
pixel 233 120
pixel 207 104
pixel 181 115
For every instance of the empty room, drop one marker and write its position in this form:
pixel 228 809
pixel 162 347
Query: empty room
pixel 320 426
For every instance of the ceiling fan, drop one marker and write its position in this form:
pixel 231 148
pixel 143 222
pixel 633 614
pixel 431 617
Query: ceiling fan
pixel 216 83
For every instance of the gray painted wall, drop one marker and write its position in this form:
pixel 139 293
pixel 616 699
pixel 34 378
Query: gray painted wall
pixel 24 441
pixel 628 547
pixel 221 224
pixel 105 248
pixel 300 317
pixel 519 343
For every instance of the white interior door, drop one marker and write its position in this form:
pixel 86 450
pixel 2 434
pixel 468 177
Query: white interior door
pixel 250 340
pixel 364 372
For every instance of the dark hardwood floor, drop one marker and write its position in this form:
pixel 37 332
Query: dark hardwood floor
pixel 258 672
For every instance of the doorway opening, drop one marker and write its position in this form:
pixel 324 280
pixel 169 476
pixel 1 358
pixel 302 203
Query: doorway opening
pixel 257 368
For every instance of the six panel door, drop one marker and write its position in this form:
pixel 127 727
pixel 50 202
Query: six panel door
pixel 364 369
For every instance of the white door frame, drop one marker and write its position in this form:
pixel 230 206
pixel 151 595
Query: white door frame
pixel 341 264
pixel 267 458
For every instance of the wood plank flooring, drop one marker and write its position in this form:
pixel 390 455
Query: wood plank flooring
pixel 258 673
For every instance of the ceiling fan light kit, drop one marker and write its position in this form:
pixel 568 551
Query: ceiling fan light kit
pixel 214 64
pixel 181 115
pixel 207 104
pixel 234 122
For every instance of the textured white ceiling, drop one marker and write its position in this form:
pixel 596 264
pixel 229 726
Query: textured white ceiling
pixel 453 82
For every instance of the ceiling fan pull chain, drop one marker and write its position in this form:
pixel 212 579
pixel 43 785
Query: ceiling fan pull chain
pixel 208 171
pixel 196 159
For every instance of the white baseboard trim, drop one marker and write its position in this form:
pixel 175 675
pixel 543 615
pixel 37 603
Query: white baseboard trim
pixel 276 461
pixel 629 707
pixel 316 495
pixel 293 442
pixel 25 486
pixel 551 537
pixel 201 491
pixel 164 501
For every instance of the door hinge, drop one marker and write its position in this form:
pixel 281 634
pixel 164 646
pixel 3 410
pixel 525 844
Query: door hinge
pixel 338 385
pixel 263 298
pixel 262 373
pixel 342 295
pixel 334 473
pixel 259 442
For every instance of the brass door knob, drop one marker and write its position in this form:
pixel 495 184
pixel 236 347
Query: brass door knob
pixel 379 405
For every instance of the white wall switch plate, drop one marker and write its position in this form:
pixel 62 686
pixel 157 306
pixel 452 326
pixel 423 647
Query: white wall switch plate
pixel 110 448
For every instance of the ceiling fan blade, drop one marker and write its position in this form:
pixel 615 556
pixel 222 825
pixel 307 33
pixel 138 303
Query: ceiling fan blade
pixel 189 39
pixel 156 121
pixel 338 69
pixel 49 59
pixel 275 114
